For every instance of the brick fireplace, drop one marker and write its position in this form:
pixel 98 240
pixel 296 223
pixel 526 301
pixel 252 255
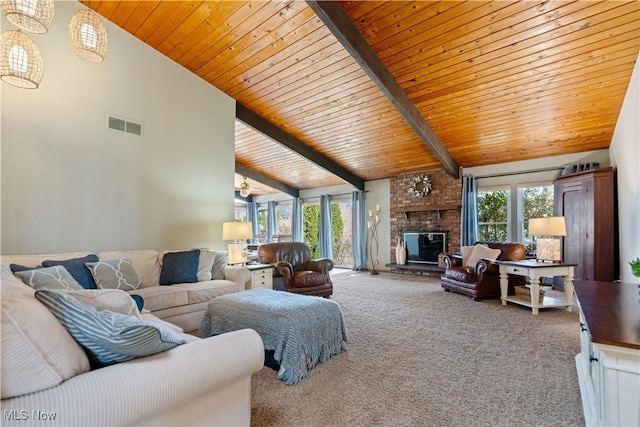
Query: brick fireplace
pixel 437 211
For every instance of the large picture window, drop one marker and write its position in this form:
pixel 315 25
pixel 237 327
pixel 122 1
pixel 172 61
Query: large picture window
pixel 284 225
pixel 340 230
pixel 534 201
pixel 493 214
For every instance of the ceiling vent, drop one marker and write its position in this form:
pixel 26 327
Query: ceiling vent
pixel 122 125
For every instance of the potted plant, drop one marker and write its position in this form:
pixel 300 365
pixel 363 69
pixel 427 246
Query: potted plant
pixel 635 267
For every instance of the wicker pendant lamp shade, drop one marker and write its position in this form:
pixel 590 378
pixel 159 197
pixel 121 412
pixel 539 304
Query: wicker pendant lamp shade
pixel 34 16
pixel 88 36
pixel 20 60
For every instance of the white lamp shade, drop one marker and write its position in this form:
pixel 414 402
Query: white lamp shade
pixel 237 230
pixel 550 226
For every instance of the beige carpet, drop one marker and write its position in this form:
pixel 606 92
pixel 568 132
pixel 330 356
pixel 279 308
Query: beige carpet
pixel 419 356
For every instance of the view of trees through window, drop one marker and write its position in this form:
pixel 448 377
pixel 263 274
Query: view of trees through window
pixel 493 214
pixel 495 217
pixel 340 231
pixel 536 202
pixel 284 225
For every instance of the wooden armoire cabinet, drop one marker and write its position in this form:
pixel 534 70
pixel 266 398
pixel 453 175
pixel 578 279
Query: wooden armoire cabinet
pixel 588 202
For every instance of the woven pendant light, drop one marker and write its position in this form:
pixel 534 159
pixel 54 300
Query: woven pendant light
pixel 34 16
pixel 88 36
pixel 20 60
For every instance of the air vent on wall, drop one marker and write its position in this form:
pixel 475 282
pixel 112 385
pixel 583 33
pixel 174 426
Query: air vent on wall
pixel 122 125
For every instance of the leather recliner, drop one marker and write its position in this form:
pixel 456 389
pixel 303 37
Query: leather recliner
pixel 294 267
pixel 481 281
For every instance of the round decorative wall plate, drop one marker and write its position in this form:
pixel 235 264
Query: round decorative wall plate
pixel 419 186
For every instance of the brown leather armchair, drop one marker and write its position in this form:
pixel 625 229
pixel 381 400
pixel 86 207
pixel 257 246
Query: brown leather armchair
pixel 483 280
pixel 294 267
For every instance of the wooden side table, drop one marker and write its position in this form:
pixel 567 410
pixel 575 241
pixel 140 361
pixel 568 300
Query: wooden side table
pixel 261 277
pixel 536 270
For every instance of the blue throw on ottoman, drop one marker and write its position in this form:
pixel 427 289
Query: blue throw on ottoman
pixel 301 330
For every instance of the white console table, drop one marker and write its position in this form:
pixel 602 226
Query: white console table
pixel 536 270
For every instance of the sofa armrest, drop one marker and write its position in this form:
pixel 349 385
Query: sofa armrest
pixel 322 265
pixel 491 266
pixel 451 260
pixel 238 274
pixel 283 269
pixel 481 268
pixel 151 388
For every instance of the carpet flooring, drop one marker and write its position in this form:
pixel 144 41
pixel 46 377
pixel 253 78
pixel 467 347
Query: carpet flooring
pixel 419 356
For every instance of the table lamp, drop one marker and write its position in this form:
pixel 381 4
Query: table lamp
pixel 547 244
pixel 238 232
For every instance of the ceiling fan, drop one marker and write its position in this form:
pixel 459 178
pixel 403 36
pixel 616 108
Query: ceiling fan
pixel 245 190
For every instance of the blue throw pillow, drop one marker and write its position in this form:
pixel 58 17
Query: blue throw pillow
pixel 107 336
pixel 139 301
pixel 77 269
pixel 180 267
pixel 17 267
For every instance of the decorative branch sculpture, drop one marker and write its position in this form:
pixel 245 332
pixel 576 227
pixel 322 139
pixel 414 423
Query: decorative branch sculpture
pixel 372 224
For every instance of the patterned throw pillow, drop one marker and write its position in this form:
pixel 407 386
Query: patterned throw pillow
pixel 114 274
pixel 56 277
pixel 180 267
pixel 76 267
pixel 109 337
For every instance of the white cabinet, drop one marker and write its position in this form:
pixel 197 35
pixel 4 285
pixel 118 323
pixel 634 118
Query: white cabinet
pixel 608 370
pixel 261 277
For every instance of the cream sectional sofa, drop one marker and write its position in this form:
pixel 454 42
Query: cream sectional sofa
pixel 46 377
pixel 182 304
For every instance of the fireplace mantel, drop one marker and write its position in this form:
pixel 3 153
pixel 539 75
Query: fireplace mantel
pixel 418 209
pixel 426 208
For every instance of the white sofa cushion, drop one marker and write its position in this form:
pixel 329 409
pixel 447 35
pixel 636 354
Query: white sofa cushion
pixel 145 263
pixel 160 297
pixel 37 351
pixel 36 260
pixel 206 291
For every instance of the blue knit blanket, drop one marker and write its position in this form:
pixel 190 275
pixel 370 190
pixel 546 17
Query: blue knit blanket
pixel 300 330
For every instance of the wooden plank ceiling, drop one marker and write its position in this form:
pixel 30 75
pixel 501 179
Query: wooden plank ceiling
pixel 496 81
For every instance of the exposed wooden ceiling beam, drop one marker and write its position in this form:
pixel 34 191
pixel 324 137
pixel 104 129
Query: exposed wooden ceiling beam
pixel 335 18
pixel 263 126
pixel 249 173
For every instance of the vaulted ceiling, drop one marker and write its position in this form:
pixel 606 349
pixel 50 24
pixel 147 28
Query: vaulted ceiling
pixel 374 89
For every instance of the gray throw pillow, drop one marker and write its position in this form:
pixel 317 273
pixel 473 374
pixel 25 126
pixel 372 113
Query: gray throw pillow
pixel 56 277
pixel 114 274
pixel 217 271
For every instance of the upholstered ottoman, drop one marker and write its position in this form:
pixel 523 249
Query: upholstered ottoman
pixel 300 330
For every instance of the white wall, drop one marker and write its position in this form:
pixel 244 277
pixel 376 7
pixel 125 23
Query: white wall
pixel 625 156
pixel 69 184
